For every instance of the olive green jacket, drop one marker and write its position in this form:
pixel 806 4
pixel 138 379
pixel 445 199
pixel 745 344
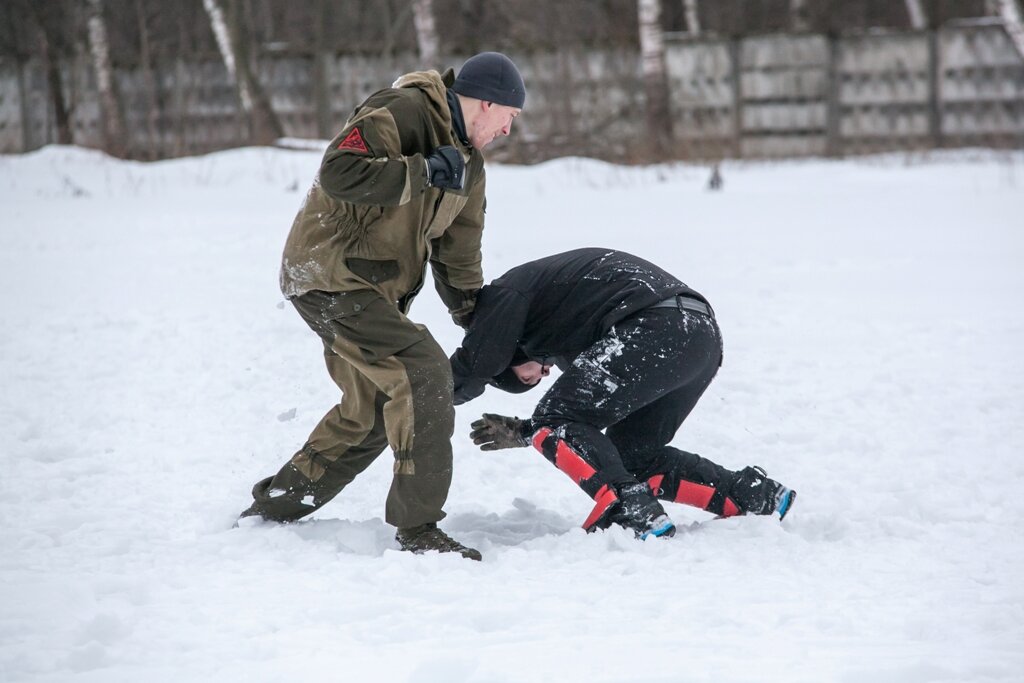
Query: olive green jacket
pixel 371 221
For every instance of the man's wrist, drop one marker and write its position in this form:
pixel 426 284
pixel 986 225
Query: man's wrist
pixel 426 172
pixel 526 430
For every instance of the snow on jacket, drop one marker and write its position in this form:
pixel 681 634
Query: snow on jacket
pixel 371 221
pixel 552 309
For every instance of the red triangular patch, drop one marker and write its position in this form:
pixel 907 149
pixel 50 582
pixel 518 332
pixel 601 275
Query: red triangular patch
pixel 354 140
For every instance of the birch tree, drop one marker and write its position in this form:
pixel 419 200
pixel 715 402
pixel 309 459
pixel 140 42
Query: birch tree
pixel 692 17
pixel 115 140
pixel 426 32
pixel 234 43
pixel 652 56
pixel 798 15
pixel 1011 15
pixel 918 19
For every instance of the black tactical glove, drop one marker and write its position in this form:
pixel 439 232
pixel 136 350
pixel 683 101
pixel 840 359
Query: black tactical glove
pixel 445 168
pixel 494 432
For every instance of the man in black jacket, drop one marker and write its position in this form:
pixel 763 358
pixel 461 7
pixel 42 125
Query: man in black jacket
pixel 637 348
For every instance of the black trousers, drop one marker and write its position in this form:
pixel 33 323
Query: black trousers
pixel 608 419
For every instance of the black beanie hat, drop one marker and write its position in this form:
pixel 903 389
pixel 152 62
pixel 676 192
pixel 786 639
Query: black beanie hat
pixel 492 77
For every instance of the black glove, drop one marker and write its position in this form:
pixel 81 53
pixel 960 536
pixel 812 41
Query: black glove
pixel 494 432
pixel 445 168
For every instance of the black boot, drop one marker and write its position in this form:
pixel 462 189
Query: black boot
pixel 756 494
pixel 636 508
pixel 251 511
pixel 426 537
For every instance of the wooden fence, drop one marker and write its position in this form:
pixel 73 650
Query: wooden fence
pixel 782 95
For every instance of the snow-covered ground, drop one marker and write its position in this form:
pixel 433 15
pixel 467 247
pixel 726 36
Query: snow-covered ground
pixel 873 318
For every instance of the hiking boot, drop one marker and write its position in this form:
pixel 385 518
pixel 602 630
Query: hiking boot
pixel 249 517
pixel 636 508
pixel 756 494
pixel 427 537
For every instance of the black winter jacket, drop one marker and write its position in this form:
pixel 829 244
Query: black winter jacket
pixel 552 309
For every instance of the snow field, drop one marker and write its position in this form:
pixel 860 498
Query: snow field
pixel 152 373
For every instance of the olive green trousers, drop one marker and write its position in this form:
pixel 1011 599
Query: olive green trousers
pixel 396 388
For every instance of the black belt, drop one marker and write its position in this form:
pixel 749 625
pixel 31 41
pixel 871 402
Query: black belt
pixel 686 303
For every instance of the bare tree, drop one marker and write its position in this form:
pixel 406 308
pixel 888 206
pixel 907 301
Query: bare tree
pixel 652 54
pixel 115 139
pixel 53 44
pixel 18 42
pixel 915 10
pixel 393 23
pixel 223 37
pixel 798 15
pixel 322 58
pixel 1010 12
pixel 235 45
pixel 426 32
pixel 154 149
pixel 692 17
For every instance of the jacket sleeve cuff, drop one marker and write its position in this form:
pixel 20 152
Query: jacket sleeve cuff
pixel 527 429
pixel 418 168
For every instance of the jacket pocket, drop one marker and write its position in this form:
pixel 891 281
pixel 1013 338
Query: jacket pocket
pixel 324 307
pixel 363 318
pixel 373 270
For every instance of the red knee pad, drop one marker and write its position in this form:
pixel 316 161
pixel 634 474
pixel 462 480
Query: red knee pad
pixel 566 458
pixel 572 463
pixel 692 493
pixel 604 499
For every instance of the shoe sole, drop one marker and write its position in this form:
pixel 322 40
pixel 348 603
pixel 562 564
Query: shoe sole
pixel 787 504
pixel 667 529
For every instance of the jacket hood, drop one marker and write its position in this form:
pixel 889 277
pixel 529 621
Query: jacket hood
pixel 431 82
pixel 435 86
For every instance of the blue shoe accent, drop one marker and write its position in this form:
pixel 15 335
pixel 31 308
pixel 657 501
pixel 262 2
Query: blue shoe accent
pixel 785 503
pixel 663 526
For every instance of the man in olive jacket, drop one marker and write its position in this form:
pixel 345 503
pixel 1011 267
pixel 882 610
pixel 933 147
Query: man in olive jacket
pixel 401 185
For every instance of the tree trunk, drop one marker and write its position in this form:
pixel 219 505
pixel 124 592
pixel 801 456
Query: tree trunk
pixel 652 54
pixel 321 68
pixel 178 106
pixel 934 85
pixel 915 10
pixel 115 134
pixel 1012 20
pixel 24 109
pixel 426 32
pixel 219 25
pixel 48 39
pixel 235 47
pixel 392 26
pixel 798 15
pixel 692 17
pixel 266 125
pixel 154 150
